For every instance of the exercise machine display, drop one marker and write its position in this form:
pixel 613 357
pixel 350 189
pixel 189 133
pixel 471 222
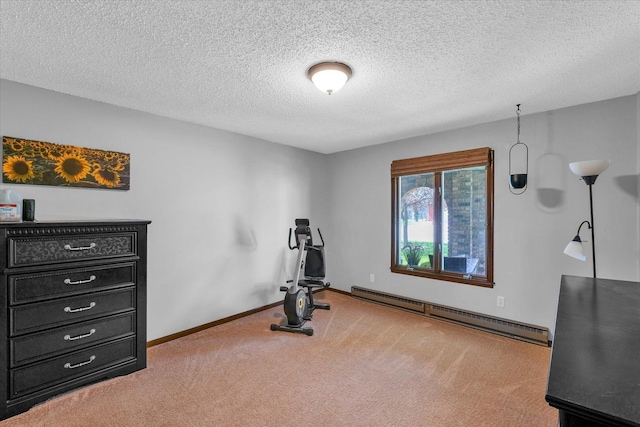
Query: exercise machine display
pixel 309 275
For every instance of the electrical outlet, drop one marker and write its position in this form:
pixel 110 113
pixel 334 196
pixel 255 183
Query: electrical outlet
pixel 372 278
pixel 500 302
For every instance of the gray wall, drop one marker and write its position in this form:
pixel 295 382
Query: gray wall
pixel 531 230
pixel 221 203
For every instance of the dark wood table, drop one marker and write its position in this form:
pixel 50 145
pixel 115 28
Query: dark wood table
pixel 594 376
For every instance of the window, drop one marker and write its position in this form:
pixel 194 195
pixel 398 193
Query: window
pixel 442 217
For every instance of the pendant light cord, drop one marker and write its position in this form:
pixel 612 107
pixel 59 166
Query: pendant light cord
pixel 518 113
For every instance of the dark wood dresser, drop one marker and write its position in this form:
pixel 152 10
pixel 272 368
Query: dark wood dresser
pixel 72 306
pixel 594 376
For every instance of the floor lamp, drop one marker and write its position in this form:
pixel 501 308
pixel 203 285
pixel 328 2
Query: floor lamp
pixel 588 170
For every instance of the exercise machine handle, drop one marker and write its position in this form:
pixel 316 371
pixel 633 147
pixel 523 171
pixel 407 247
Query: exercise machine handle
pixel 298 244
pixel 291 247
pixel 321 239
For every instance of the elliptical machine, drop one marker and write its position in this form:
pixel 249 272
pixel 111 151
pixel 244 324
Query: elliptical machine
pixel 298 304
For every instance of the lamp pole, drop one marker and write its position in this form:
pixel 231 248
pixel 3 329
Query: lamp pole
pixel 590 180
pixel 593 234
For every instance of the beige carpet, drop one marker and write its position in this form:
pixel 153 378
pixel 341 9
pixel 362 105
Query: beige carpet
pixel 366 365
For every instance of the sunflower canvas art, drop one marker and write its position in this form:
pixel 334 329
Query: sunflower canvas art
pixel 45 163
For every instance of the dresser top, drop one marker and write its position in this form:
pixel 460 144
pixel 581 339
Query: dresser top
pixel 74 222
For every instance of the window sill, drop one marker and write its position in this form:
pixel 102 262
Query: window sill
pixel 449 277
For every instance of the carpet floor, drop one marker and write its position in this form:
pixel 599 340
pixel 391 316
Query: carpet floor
pixel 366 365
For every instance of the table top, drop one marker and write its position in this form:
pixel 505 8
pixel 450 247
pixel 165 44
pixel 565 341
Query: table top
pixel 77 222
pixel 595 362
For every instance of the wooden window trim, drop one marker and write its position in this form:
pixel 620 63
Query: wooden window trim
pixel 439 163
pixel 442 162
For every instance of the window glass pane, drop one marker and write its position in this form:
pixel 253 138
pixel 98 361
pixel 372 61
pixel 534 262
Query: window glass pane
pixel 416 207
pixel 464 225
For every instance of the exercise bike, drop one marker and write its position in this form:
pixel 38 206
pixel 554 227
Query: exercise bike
pixel 298 304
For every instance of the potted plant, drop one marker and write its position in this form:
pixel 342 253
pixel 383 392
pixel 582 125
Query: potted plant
pixel 413 254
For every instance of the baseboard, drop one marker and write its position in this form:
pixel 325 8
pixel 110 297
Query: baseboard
pixel 190 331
pixel 522 331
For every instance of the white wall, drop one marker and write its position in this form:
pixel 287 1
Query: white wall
pixel 531 230
pixel 221 203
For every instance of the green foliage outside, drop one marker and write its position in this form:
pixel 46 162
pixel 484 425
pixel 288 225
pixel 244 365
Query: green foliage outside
pixel 417 253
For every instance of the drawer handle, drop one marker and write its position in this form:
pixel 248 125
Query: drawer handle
pixel 70 366
pixel 77 337
pixel 80 248
pixel 75 310
pixel 79 282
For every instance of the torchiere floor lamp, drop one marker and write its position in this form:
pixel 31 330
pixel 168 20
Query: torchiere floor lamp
pixel 588 170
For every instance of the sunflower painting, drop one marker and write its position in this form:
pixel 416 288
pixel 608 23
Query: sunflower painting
pixel 44 163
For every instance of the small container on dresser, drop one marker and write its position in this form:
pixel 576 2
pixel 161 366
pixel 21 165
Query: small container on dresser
pixel 72 306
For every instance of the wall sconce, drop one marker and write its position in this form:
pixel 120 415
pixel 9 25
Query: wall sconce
pixel 588 170
pixel 329 77
pixel 518 174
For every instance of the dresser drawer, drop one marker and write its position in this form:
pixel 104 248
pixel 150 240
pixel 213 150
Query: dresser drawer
pixel 49 250
pixel 70 366
pixel 32 317
pixel 32 287
pixel 38 346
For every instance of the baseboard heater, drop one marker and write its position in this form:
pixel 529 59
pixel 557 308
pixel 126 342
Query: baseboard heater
pixel 530 333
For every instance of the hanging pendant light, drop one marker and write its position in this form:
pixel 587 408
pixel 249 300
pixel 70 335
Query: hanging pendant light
pixel 518 163
pixel 329 77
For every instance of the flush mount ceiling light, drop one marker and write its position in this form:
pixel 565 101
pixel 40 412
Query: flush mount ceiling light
pixel 329 76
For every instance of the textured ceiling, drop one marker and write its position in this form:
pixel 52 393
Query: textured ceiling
pixel 419 66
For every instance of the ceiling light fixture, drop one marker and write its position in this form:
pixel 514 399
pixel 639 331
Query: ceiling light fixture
pixel 329 77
